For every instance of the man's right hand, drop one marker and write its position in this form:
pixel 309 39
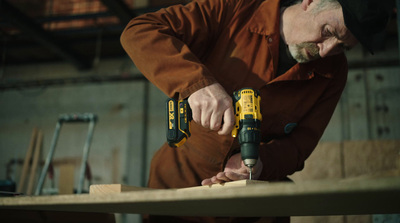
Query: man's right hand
pixel 212 108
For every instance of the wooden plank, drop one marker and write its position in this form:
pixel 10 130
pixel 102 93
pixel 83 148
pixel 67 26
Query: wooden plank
pixel 364 196
pixel 27 159
pixel 118 188
pixel 35 162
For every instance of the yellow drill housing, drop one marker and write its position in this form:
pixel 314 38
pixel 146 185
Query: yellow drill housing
pixel 246 103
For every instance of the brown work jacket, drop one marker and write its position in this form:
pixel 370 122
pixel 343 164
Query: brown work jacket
pixel 181 49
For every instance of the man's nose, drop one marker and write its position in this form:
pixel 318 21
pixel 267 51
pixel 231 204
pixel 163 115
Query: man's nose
pixel 329 47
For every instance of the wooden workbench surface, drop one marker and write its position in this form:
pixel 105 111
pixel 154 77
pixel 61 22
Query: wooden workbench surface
pixel 347 197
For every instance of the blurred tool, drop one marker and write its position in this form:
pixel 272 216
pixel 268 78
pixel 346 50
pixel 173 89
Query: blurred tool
pixel 70 118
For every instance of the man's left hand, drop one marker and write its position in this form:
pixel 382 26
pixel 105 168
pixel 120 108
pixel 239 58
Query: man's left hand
pixel 234 170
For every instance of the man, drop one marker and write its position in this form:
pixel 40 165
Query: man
pixel 291 52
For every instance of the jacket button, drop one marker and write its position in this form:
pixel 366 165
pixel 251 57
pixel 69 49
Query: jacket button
pixel 289 127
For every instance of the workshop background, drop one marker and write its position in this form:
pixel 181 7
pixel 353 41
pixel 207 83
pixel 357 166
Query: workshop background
pixel 64 56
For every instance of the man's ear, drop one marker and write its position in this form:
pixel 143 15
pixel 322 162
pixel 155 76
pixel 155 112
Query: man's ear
pixel 305 4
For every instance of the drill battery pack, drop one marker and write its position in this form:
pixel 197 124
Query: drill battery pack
pixel 179 116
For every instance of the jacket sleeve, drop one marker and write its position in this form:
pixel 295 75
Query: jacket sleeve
pixel 167 46
pixel 285 155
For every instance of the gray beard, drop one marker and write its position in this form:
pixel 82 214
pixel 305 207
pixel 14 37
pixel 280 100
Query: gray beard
pixel 298 52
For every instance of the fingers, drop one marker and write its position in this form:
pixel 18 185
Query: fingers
pixel 215 121
pixel 209 107
pixel 223 177
pixel 229 122
pixel 212 180
pixel 205 116
pixel 206 182
pixel 211 114
pixel 196 113
pixel 217 179
pixel 237 176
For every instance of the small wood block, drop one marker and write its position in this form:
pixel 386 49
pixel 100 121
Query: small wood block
pixel 113 188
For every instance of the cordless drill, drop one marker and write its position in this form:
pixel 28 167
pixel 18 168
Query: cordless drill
pixel 246 104
pixel 248 118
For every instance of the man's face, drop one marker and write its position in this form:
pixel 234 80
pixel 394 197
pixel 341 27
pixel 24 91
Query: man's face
pixel 319 35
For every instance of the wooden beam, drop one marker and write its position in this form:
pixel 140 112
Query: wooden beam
pixel 35 162
pixel 27 159
pixel 354 197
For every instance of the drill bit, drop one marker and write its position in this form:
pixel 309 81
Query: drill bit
pixel 250 172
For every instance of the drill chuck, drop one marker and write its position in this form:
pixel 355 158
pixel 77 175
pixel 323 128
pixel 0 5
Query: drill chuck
pixel 249 140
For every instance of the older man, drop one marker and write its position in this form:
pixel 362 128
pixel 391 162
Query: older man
pixel 291 51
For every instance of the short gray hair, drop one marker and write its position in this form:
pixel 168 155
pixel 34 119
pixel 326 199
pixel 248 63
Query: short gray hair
pixel 325 5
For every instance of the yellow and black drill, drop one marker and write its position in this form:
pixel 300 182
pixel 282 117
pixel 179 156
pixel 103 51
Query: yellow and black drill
pixel 246 103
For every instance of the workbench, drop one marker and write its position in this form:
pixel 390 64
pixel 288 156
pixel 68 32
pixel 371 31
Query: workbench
pixel 328 197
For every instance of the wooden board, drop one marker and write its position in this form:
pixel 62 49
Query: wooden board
pixel 27 159
pixel 118 188
pixel 35 163
pixel 364 196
